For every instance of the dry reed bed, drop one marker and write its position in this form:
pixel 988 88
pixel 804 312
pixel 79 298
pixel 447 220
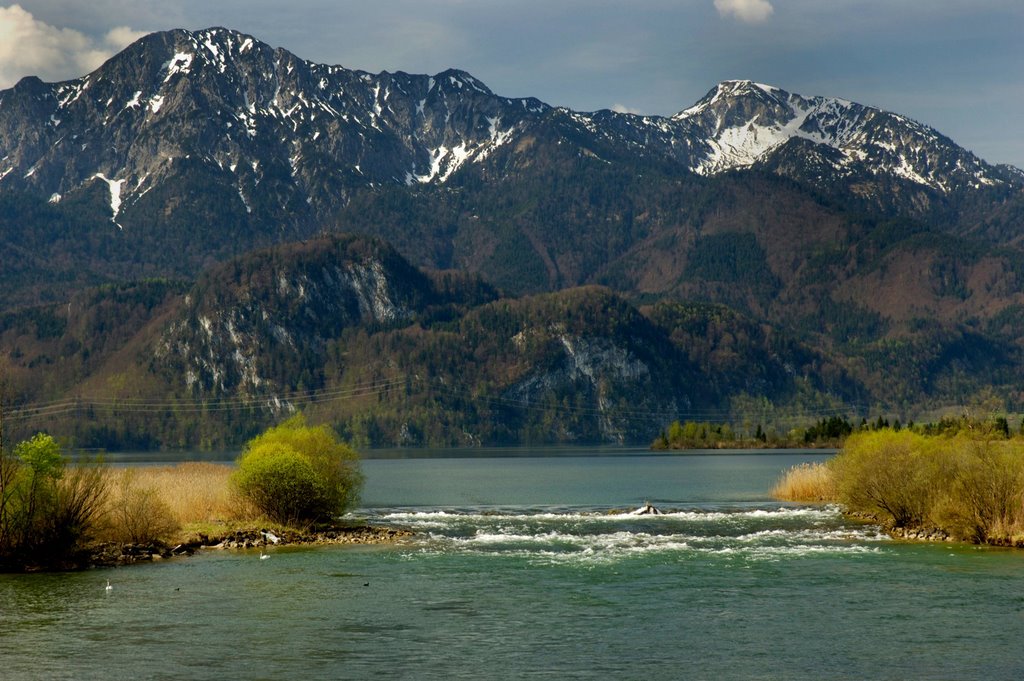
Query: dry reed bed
pixel 806 482
pixel 165 503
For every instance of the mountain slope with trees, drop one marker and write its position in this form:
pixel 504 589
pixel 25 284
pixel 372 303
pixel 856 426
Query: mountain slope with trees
pixel 178 225
pixel 345 329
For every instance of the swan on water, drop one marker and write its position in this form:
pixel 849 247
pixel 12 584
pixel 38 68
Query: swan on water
pixel 263 556
pixel 109 588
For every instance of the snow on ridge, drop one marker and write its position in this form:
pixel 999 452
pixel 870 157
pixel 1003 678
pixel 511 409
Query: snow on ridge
pixel 845 126
pixel 742 145
pixel 212 46
pixel 70 93
pixel 445 161
pixel 181 63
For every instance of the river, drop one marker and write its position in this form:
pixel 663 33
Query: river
pixel 521 568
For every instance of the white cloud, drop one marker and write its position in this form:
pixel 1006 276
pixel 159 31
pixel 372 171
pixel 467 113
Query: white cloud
pixel 121 37
pixel 31 47
pixel 622 108
pixel 749 11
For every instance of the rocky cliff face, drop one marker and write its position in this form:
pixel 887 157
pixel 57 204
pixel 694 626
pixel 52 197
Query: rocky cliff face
pixel 246 323
pixel 609 378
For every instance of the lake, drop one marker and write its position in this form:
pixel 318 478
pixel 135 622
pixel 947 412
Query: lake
pixel 521 568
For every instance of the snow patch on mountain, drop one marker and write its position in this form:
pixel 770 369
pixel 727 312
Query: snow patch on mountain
pixel 181 63
pixel 747 120
pixel 115 195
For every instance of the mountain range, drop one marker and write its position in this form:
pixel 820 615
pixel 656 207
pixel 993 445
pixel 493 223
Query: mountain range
pixel 862 254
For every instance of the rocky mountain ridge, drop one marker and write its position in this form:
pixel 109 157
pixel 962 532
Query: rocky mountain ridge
pixel 281 138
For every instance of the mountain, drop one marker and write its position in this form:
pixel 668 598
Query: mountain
pixel 344 328
pixel 758 244
pixel 189 147
pixel 248 114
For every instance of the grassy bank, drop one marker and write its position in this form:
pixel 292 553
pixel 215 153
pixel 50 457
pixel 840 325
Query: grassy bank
pixel 152 513
pixel 294 480
pixel 968 486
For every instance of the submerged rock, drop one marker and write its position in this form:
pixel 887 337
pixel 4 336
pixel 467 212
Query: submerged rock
pixel 646 509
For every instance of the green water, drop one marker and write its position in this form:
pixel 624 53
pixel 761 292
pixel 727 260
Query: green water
pixel 519 571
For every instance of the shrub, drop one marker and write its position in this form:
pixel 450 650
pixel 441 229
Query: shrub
pixel 886 474
pixel 985 496
pixel 46 511
pixel 294 473
pixel 80 498
pixel 969 485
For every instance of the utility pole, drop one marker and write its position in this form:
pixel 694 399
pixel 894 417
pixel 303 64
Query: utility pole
pixel 3 392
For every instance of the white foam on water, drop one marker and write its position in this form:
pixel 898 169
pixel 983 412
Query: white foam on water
pixel 588 537
pixel 868 532
pixel 609 549
pixel 808 512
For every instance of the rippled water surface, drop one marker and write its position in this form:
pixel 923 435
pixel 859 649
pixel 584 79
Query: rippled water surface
pixel 533 567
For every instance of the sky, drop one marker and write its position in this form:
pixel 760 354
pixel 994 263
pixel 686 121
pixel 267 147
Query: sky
pixel 956 65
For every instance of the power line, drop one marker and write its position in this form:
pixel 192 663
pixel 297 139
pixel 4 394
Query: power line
pixel 633 414
pixel 620 413
pixel 237 403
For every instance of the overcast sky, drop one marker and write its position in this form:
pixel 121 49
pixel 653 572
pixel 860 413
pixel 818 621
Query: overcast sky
pixel 957 65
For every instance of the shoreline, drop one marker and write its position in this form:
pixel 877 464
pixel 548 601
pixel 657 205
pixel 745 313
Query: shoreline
pixel 248 538
pixel 931 534
pixel 106 555
pixel 936 535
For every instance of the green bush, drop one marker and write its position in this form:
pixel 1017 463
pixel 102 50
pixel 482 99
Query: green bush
pixel 985 497
pixel 294 473
pixel 970 485
pixel 47 511
pixel 886 474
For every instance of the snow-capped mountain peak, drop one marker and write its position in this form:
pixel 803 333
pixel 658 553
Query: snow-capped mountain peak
pixel 288 139
pixel 743 123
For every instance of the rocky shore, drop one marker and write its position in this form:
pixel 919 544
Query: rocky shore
pixel 928 533
pixel 111 555
pixel 918 533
